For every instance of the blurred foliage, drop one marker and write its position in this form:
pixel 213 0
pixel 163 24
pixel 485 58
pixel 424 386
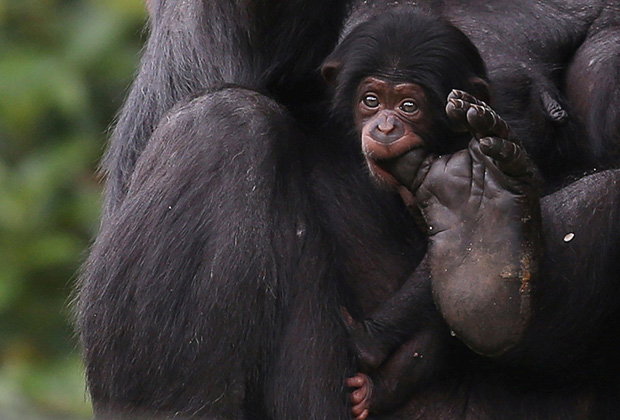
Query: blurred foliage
pixel 65 66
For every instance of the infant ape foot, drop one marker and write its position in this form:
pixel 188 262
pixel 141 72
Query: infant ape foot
pixel 482 216
pixel 360 396
pixel 467 113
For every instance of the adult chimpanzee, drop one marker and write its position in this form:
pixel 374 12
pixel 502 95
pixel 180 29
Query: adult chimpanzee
pixel 213 275
pixel 235 223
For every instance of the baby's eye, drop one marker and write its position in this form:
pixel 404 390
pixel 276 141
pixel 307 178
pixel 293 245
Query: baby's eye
pixel 409 107
pixel 371 101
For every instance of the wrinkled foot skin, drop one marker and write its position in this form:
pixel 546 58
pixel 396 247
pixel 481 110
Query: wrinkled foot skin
pixel 497 140
pixel 482 216
pixel 466 113
pixel 360 396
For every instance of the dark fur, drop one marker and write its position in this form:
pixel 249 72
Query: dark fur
pixel 195 45
pixel 206 321
pixel 405 45
pixel 234 230
pixel 416 49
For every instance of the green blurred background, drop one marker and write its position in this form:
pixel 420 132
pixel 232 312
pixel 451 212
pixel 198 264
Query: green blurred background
pixel 65 67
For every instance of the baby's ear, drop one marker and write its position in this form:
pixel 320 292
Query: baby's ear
pixel 330 70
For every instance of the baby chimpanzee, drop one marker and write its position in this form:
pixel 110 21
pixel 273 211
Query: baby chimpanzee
pixel 476 199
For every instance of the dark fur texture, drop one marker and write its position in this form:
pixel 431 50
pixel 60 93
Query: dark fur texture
pixel 195 45
pixel 235 227
pixel 417 48
pixel 213 308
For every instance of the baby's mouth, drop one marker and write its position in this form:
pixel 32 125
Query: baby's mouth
pixel 399 170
